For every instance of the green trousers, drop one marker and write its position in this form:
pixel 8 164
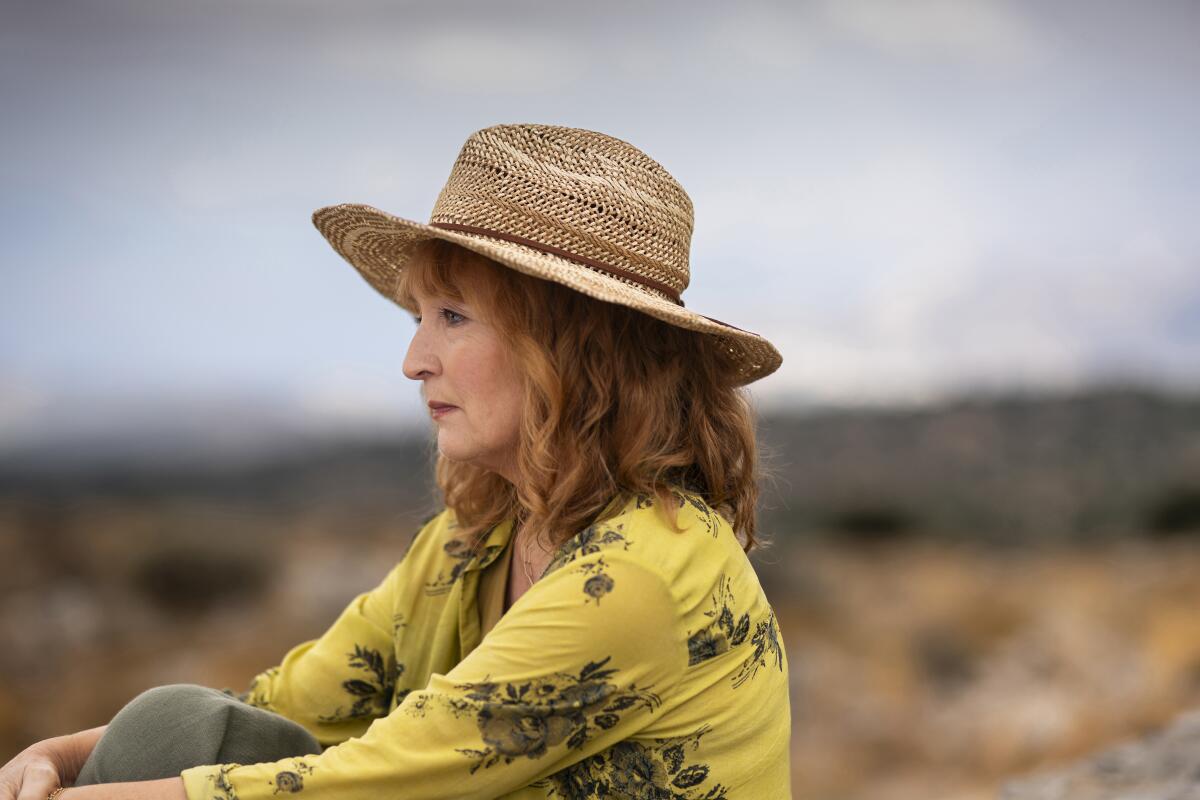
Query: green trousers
pixel 168 729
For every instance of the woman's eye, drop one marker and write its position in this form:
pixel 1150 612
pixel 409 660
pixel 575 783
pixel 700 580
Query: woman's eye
pixel 451 317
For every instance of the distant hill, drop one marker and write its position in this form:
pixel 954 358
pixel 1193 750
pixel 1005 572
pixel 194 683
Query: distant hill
pixel 997 469
pixel 1098 463
pixel 383 476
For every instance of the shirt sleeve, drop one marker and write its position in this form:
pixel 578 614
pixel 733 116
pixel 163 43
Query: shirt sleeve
pixel 336 685
pixel 580 662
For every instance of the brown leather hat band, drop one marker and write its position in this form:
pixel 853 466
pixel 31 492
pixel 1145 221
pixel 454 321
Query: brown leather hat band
pixel 589 262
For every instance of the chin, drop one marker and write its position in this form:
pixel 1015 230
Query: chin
pixel 454 451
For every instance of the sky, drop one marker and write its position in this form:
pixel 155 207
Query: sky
pixel 909 199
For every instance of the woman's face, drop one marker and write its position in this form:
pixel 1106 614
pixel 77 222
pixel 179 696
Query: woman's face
pixel 471 388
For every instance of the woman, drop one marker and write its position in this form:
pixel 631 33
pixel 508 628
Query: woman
pixel 581 621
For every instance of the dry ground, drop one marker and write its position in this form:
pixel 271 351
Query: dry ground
pixel 918 671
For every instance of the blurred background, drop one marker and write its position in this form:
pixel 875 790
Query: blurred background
pixel 969 226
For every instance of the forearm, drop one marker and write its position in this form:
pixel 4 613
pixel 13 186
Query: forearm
pixel 164 789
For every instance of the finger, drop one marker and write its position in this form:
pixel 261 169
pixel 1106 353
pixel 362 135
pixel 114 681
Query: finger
pixel 38 780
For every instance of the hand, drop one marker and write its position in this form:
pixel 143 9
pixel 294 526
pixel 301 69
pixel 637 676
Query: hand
pixel 32 774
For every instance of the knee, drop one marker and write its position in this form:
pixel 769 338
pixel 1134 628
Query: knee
pixel 143 741
pixel 172 695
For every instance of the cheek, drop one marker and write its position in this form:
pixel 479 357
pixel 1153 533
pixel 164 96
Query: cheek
pixel 508 397
pixel 513 408
pixel 490 381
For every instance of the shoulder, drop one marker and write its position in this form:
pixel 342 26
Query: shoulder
pixel 688 588
pixel 687 554
pixel 681 534
pixel 731 630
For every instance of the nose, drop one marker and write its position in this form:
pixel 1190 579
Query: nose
pixel 420 362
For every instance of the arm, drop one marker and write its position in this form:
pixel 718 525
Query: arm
pixel 165 789
pixel 581 662
pixel 42 767
pixel 309 686
pixel 336 685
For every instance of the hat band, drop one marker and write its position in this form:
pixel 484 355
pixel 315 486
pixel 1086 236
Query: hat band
pixel 658 286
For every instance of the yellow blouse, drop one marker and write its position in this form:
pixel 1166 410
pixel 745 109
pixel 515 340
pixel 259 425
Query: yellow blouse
pixel 644 663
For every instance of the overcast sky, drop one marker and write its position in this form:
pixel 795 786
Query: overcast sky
pixel 907 198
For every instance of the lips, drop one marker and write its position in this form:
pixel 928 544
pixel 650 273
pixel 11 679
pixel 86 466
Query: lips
pixel 438 410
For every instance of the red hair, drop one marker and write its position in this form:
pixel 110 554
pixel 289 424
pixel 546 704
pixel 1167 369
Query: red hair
pixel 616 402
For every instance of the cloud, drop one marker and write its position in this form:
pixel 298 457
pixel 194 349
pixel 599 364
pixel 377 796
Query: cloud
pixel 973 31
pixel 767 38
pixel 461 59
pixel 896 277
pixel 1002 319
pixel 250 173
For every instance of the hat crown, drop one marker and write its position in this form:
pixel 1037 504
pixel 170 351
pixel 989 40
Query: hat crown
pixel 575 191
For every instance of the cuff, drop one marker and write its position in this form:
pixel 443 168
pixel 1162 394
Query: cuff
pixel 209 782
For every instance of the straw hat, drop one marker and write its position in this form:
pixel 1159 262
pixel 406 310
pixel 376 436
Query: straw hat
pixel 572 206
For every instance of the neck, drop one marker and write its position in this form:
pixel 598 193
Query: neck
pixel 532 554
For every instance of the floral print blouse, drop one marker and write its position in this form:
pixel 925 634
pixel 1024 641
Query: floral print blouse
pixel 644 663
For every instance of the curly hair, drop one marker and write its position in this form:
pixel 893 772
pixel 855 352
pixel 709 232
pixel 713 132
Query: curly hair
pixel 616 403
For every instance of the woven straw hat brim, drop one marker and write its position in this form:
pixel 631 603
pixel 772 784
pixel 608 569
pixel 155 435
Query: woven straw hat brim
pixel 377 244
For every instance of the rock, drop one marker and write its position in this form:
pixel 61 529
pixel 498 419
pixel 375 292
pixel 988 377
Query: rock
pixel 1161 766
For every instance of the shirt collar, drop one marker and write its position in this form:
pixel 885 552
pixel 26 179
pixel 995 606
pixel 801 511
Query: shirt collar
pixel 493 544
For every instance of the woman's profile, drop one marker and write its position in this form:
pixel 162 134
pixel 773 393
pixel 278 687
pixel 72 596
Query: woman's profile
pixel 580 620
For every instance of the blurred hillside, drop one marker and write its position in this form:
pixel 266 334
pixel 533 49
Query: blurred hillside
pixel 1005 469
pixel 967 592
